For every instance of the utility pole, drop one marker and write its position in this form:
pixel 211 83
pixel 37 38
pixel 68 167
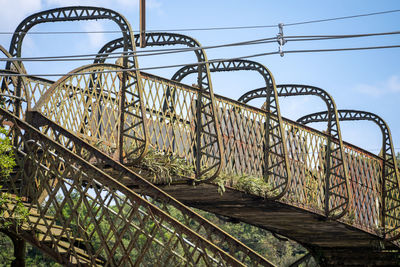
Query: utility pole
pixel 142 10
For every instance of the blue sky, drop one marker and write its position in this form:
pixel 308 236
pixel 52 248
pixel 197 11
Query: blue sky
pixel 364 80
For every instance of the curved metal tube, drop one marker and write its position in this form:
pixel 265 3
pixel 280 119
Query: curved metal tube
pixel 17 82
pixel 334 133
pixel 76 13
pixel 390 171
pixel 272 107
pixel 209 125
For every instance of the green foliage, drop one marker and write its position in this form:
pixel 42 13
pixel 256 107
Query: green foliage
pixel 247 183
pixel 7 162
pixel 34 257
pixel 6 250
pixel 18 213
pixel 164 167
pixel 279 252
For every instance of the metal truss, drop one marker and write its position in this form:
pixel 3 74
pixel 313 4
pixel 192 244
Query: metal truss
pixel 208 134
pixel 17 82
pixel 99 220
pixel 128 101
pixel 390 172
pixel 337 177
pixel 273 125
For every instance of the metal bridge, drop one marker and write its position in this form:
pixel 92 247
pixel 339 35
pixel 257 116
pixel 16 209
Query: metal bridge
pixel 79 143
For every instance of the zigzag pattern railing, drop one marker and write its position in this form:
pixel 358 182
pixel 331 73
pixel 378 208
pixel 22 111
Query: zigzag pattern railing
pixel 85 217
pixel 390 201
pixel 338 193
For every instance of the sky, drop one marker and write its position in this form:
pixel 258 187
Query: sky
pixel 361 80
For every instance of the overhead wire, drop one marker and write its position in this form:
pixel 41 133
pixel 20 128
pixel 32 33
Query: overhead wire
pixel 213 61
pixel 217 28
pixel 155 52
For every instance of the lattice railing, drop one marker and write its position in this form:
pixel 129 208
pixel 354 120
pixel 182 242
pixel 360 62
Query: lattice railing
pixel 170 110
pixel 365 179
pixel 159 198
pixel 83 216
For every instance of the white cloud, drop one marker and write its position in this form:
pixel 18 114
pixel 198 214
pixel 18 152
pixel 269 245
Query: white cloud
pixel 394 83
pixel 390 86
pixel 95 39
pixel 13 12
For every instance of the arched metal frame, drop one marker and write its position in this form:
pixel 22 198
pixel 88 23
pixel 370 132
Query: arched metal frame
pixel 272 107
pixel 76 13
pixel 18 82
pixel 206 111
pixel 390 172
pixel 334 133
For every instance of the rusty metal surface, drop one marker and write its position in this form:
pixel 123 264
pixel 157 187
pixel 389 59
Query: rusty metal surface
pixel 337 176
pixel 126 113
pixel 208 136
pixel 390 178
pixel 115 226
pixel 276 167
pixel 242 128
pixel 76 13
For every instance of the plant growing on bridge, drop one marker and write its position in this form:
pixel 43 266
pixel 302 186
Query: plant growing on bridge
pixel 163 167
pixel 248 183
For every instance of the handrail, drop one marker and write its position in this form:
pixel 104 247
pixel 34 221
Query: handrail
pixel 76 13
pixel 390 171
pixel 206 97
pixel 334 171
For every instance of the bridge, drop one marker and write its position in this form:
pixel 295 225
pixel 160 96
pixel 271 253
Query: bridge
pixel 82 145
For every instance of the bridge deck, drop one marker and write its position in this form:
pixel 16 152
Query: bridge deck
pixel 315 232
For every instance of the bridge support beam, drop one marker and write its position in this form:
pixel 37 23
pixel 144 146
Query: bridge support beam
pixel 19 245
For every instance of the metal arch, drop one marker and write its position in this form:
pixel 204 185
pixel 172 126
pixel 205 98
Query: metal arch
pixel 18 67
pixel 391 176
pixel 334 133
pixel 18 81
pixel 206 102
pixel 154 39
pixel 75 13
pixel 272 107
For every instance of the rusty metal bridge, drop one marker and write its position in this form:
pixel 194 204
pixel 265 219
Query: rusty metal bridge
pixel 79 142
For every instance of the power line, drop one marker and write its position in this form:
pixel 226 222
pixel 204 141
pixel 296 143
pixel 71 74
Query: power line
pixel 212 61
pixel 138 53
pixel 342 18
pixel 154 52
pixel 213 28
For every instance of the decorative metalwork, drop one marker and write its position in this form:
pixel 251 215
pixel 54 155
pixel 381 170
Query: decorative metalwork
pixel 275 151
pixel 115 226
pixel 70 177
pixel 390 206
pixel 337 178
pixel 135 100
pixel 208 136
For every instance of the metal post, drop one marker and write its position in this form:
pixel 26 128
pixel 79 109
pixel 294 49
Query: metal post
pixel 142 8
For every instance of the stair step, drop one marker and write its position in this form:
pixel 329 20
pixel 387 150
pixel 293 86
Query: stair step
pixel 63 247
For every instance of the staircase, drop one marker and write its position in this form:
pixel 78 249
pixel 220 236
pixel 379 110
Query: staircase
pixel 81 216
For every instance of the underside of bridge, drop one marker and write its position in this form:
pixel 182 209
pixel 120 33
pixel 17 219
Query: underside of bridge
pixel 331 242
pixel 109 160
